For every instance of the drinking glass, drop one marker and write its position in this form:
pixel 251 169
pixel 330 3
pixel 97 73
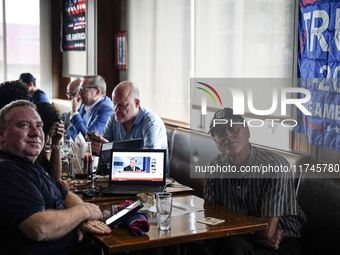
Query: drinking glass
pixel 164 207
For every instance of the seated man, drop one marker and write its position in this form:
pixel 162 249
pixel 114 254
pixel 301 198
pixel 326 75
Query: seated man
pixel 270 197
pixel 71 92
pixel 36 94
pixel 131 121
pixel 94 107
pixel 132 166
pixel 38 215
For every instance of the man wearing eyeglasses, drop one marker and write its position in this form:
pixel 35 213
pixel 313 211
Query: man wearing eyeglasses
pixel 90 107
pixel 269 196
pixel 71 92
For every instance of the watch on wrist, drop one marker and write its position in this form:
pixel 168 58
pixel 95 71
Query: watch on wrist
pixel 56 147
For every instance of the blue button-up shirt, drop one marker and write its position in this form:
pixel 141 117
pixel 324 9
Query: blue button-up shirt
pixel 147 126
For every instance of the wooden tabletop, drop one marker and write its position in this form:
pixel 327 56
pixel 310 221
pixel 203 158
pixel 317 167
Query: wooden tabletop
pixel 176 189
pixel 184 228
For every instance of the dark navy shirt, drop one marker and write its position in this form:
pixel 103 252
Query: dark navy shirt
pixel 25 189
pixel 39 96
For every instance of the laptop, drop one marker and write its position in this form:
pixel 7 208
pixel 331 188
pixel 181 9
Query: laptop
pixel 135 171
pixel 105 152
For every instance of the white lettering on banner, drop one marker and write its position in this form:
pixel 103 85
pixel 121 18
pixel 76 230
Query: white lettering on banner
pixel 75 37
pixel 78 36
pixel 337 27
pixel 330 111
pixel 317 31
pixel 323 82
pixel 322 85
pixel 306 17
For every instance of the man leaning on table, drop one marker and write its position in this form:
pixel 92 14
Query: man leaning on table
pixel 90 107
pixel 130 121
pixel 270 197
pixel 38 215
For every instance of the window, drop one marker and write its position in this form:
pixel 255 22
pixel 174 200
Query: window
pixel 173 41
pixel 22 39
pixel 159 55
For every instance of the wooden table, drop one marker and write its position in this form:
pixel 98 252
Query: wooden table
pixel 176 188
pixel 184 228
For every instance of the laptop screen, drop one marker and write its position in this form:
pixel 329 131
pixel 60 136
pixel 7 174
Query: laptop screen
pixel 105 152
pixel 139 165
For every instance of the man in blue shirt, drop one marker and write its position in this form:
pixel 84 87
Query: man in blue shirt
pixel 131 121
pixel 36 94
pixel 38 215
pixel 94 107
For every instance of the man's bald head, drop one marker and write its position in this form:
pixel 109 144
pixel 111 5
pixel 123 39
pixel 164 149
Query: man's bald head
pixel 126 89
pixel 126 102
pixel 72 88
pixel 73 85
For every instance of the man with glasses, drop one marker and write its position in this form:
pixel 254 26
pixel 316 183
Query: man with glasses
pixel 90 107
pixel 72 88
pixel 71 92
pixel 245 189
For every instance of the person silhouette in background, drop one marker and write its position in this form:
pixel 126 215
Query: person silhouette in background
pixel 50 157
pixel 36 94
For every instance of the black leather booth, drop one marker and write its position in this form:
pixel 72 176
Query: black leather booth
pixel 319 197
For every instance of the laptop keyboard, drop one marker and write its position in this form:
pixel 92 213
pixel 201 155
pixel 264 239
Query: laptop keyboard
pixel 136 187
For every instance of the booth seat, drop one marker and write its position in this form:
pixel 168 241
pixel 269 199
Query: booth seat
pixel 61 105
pixel 192 147
pixel 319 197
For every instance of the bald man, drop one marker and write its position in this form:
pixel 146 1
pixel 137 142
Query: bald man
pixel 71 92
pixel 130 121
pixel 72 88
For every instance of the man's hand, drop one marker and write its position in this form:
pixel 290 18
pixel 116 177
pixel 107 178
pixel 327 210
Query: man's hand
pixel 96 213
pixel 96 146
pixel 274 241
pixel 76 103
pixel 68 183
pixel 60 131
pixel 92 226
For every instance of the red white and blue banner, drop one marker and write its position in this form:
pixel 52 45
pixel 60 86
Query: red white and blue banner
pixel 319 71
pixel 74 23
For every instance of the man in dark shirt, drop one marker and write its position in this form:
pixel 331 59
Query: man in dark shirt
pixel 36 94
pixel 38 215
pixel 269 196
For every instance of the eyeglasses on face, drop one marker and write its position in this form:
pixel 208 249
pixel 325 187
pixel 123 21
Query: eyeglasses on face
pixel 83 89
pixel 71 95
